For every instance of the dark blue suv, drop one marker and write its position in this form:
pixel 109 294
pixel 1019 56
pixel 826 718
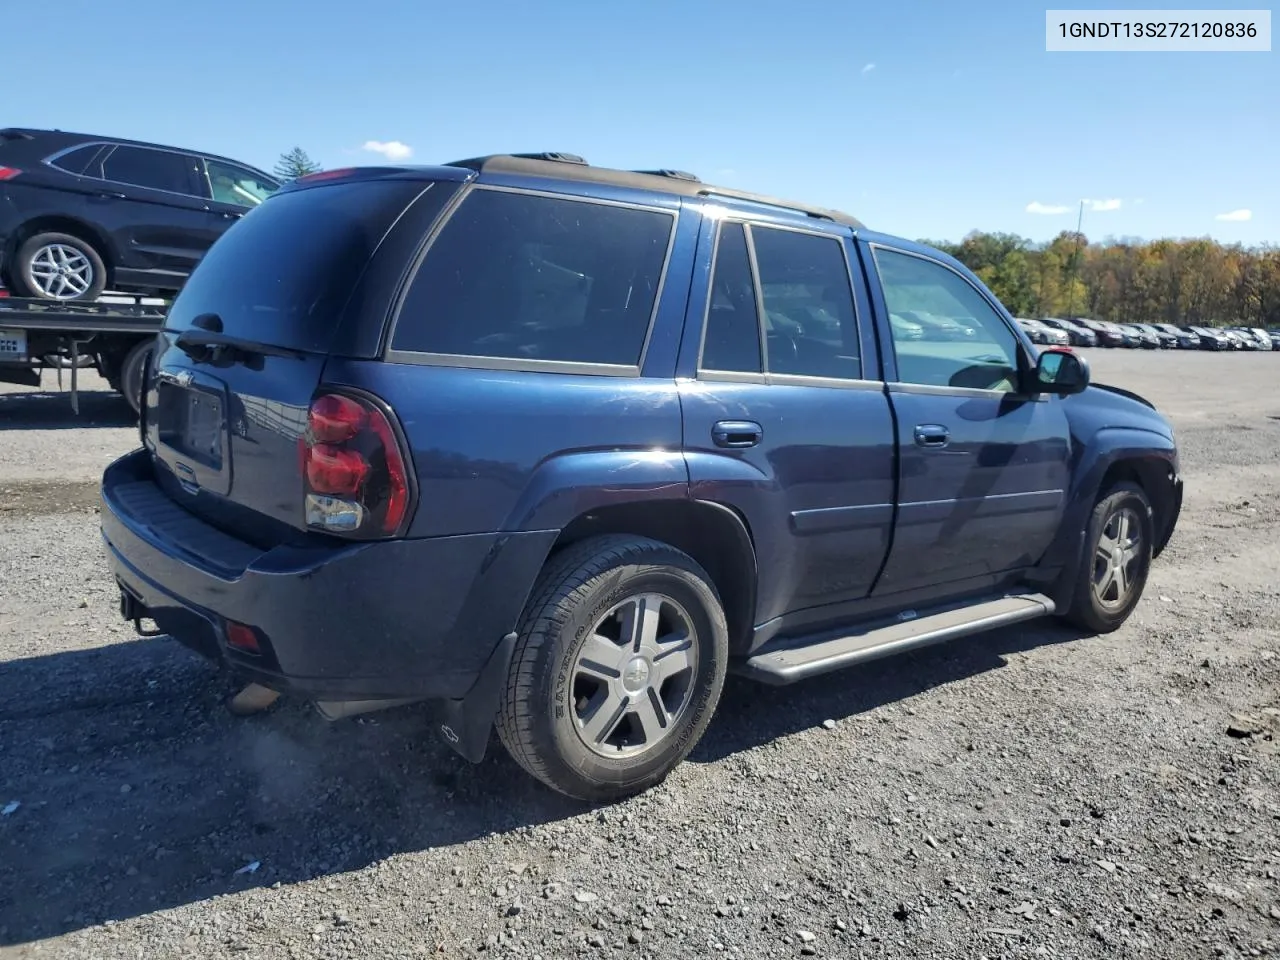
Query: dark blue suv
pixel 555 447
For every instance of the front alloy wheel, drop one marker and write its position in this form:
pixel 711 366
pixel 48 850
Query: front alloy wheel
pixel 1112 578
pixel 1117 558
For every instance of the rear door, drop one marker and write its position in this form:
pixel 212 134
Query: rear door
pixel 779 422
pixel 153 207
pixel 983 467
pixel 224 430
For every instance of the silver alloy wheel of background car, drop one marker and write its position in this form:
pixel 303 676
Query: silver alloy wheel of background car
pixel 61 272
pixel 1119 548
pixel 633 676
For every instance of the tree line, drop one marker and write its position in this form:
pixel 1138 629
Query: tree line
pixel 1184 282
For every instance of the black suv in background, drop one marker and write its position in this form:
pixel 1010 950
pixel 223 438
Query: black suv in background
pixel 81 213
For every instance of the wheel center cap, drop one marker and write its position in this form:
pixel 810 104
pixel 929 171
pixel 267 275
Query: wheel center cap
pixel 1117 555
pixel 635 675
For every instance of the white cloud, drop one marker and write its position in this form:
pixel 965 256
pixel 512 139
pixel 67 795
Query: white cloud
pixel 391 149
pixel 1035 206
pixel 1101 206
pixel 868 68
pixel 1235 215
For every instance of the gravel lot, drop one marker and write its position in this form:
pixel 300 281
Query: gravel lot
pixel 1031 792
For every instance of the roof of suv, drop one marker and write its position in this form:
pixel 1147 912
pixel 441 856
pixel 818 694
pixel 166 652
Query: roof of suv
pixel 66 138
pixel 565 166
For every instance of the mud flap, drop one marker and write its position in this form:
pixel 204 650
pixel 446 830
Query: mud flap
pixel 465 724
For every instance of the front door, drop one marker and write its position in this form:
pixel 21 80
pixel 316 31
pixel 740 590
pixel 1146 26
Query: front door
pixel 983 466
pixel 778 421
pixel 233 191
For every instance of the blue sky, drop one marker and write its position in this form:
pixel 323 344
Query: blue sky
pixel 926 119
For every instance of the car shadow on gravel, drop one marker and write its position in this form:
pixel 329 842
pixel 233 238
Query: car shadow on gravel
pixel 52 410
pixel 137 791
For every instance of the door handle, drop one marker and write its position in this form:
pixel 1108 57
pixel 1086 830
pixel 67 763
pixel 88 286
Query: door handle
pixel 932 435
pixel 232 216
pixel 737 433
pixel 109 195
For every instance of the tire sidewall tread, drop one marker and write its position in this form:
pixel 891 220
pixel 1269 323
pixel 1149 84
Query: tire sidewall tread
pixel 1085 611
pixel 578 587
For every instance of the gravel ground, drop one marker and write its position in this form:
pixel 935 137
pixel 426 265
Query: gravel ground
pixel 1027 793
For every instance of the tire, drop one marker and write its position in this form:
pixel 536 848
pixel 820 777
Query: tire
pixel 554 705
pixel 130 377
pixel 86 279
pixel 1104 610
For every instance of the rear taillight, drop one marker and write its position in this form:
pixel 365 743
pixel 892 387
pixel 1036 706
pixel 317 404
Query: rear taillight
pixel 8 173
pixel 355 473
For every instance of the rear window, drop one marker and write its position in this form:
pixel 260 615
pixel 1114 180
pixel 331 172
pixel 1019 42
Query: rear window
pixel 282 274
pixel 525 277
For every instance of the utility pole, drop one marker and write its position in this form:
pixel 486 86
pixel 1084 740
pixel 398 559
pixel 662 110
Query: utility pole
pixel 1075 265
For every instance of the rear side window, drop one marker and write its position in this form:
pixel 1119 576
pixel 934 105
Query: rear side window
pixel 75 161
pixel 283 274
pixel 153 169
pixel 525 277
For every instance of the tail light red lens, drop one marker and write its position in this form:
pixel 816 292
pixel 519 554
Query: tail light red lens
pixel 333 419
pixel 336 471
pixel 356 474
pixel 8 173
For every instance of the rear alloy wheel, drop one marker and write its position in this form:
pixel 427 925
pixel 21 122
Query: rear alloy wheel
pixel 618 667
pixel 59 266
pixel 1115 571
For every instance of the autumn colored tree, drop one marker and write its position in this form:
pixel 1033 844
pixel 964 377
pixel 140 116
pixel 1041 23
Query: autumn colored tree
pixel 1189 281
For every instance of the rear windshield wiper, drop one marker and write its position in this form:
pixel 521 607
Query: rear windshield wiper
pixel 205 342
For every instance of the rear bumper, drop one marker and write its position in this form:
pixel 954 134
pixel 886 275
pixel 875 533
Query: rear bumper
pixel 335 621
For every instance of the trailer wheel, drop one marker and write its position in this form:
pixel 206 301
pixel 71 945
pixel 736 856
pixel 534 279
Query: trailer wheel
pixel 58 266
pixel 130 376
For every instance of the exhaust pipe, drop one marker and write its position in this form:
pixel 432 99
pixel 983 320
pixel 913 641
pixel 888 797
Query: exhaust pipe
pixel 337 709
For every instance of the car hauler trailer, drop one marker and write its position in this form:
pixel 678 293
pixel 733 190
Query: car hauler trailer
pixel 113 334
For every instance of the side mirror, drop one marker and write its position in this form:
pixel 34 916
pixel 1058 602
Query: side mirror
pixel 1061 371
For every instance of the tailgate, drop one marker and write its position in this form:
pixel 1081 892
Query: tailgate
pixel 245 345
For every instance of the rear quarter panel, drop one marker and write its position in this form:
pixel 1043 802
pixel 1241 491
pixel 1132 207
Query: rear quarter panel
pixel 513 450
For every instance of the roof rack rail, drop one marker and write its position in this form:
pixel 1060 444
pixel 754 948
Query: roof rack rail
pixel 477 163
pixel 816 212
pixel 671 174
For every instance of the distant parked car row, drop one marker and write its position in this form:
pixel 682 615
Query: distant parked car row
pixel 1083 332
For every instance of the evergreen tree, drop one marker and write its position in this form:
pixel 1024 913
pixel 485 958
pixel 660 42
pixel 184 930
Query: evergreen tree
pixel 295 164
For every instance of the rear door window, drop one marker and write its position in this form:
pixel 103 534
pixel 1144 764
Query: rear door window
pixel 152 169
pixel 283 274
pixel 810 324
pixel 530 278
